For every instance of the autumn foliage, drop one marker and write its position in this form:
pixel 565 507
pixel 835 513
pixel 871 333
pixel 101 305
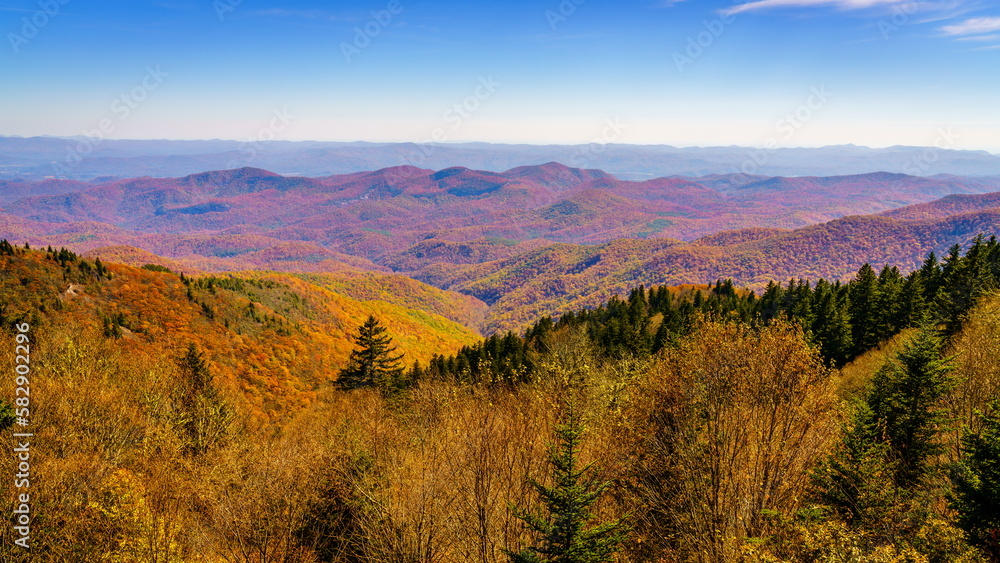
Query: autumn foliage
pixel 196 418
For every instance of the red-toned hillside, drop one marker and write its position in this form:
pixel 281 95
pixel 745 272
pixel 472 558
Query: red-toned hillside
pixel 949 205
pixel 530 241
pixel 556 175
pixel 13 190
pixel 561 277
pixel 386 215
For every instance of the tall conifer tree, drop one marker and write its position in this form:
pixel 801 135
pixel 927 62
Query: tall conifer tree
pixel 977 485
pixel 373 362
pixel 566 532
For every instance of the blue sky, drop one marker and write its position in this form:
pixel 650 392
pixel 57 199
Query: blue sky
pixel 687 73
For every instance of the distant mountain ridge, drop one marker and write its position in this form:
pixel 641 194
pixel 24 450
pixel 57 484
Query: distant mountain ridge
pixel 380 215
pixel 558 278
pixel 85 159
pixel 529 241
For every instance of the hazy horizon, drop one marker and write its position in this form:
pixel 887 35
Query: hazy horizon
pixel 459 142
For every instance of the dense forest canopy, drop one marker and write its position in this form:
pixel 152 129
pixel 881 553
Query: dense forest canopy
pixel 843 320
pixel 199 418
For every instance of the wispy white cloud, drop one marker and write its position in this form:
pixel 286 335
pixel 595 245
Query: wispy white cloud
pixel 990 37
pixel 842 4
pixel 973 26
pixel 931 12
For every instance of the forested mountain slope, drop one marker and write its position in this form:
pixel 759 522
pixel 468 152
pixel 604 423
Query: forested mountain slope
pixel 555 279
pixel 274 338
pixel 179 419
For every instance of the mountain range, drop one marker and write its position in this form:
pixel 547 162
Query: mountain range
pixel 86 158
pixel 528 241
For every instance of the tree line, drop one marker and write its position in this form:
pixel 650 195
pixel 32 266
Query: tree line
pixel 843 320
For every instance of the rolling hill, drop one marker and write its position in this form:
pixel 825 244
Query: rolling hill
pixel 561 277
pixel 530 241
pixel 260 219
pixel 274 339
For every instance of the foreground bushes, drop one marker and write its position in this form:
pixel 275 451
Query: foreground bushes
pixel 711 451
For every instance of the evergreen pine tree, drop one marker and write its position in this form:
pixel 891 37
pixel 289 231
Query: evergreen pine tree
pixel 857 480
pixel 205 415
pixel 977 485
pixel 889 304
pixel 7 417
pixel 863 293
pixel 966 279
pixel 930 276
pixel 770 302
pixel 950 297
pixel 800 306
pixel 195 369
pixel 373 363
pixel 565 535
pixel 416 372
pixel 893 433
pixel 914 305
pixel 699 300
pixel 905 403
pixel 831 329
pixel 662 337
